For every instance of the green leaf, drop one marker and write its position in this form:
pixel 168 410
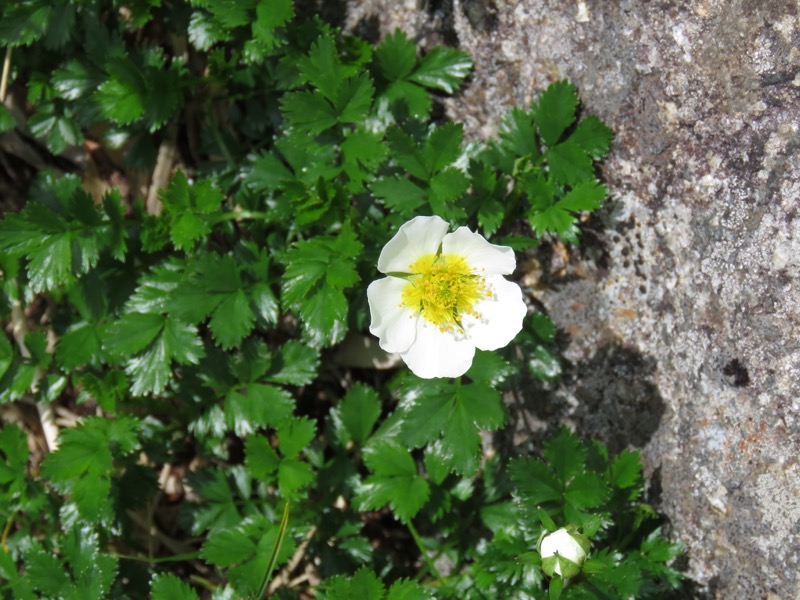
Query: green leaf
pixel 408 99
pixel 406 589
pixel 593 136
pixel 477 407
pixel 657 549
pixel 626 470
pixel 58 130
pixel 442 69
pixel 586 490
pixel 219 510
pixel 84 461
pixel 565 454
pixel 108 391
pixel 92 572
pixel 227 547
pixel 543 364
pixel 447 187
pixel 517 134
pixel 24 24
pixel 189 208
pixel 458 413
pixel 556 585
pixel 7 120
pixel 587 195
pixel 308 111
pixel 230 15
pixel 426 409
pixel 249 546
pixel 552 220
pixel 555 111
pixel 140 87
pixel 408 154
pixel 324 315
pixel 298 364
pixel 205 31
pixel 323 69
pixel 271 14
pixel 396 56
pixel 398 193
pixel 359 411
pixel 619 580
pixel 443 146
pixel 569 163
pixel 363 152
pixel 293 475
pixel 261 459
pixel 295 435
pixel 491 214
pixel 558 218
pixel 223 287
pixel 539 189
pixel 354 99
pixel 133 333
pixel 61 233
pixel 46 572
pixel 489 368
pixel 80 345
pixel 268 173
pixel 76 79
pixel 312 261
pixel 365 584
pixel 394 481
pixel 543 326
pixel 166 586
pixel 14 462
pixel 316 272
pixel 122 97
pixel 534 483
pixel 256 405
pixel 151 370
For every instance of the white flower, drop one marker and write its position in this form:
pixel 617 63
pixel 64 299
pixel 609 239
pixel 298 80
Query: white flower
pixel 444 296
pixel 563 552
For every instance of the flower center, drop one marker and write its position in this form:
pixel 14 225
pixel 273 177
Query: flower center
pixel 443 288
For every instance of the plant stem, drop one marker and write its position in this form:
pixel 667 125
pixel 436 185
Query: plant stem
pixel 7 530
pixel 273 559
pixel 203 582
pixel 418 540
pixel 241 214
pixel 6 72
pixel 163 559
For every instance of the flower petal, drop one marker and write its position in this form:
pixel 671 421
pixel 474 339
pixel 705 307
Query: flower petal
pixel 417 237
pixel 393 324
pixel 501 315
pixel 480 254
pixel 438 354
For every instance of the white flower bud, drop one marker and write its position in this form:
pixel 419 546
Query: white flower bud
pixel 563 552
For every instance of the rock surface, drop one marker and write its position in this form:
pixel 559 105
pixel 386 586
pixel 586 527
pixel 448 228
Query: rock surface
pixel 682 312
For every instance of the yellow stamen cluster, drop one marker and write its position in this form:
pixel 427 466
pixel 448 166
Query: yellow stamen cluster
pixel 443 288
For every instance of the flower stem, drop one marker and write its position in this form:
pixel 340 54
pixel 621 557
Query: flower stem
pixel 174 558
pixel 6 71
pixel 241 214
pixel 202 581
pixel 7 530
pixel 418 540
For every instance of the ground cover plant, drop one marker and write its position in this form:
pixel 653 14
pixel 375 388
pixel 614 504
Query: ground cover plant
pixel 199 196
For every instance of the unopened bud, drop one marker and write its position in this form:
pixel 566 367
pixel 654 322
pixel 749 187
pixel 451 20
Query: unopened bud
pixel 563 552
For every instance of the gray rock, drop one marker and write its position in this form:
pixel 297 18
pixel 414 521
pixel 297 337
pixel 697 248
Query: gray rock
pixel 682 310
